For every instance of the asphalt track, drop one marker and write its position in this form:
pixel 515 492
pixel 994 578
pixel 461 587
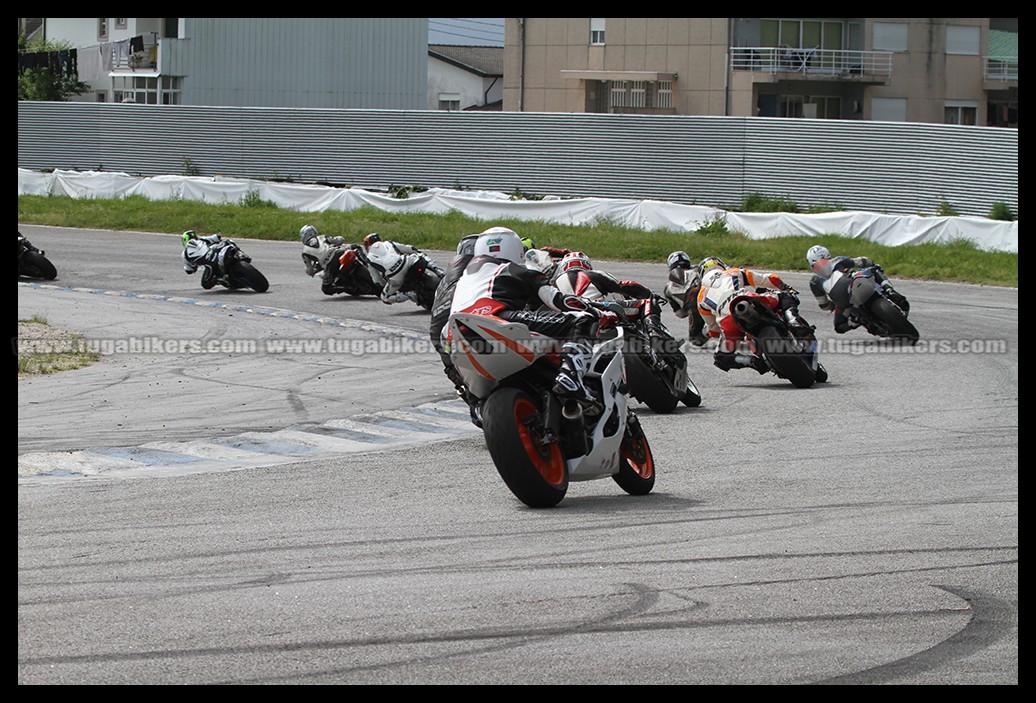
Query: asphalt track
pixel 328 517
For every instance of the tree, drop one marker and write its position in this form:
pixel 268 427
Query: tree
pixel 46 83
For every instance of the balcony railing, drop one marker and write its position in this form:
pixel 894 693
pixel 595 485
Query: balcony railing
pixel 1001 68
pixel 823 62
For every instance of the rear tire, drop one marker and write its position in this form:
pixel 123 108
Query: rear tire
pixel 38 266
pixel 646 386
pixel 899 327
pixel 777 348
pixel 536 473
pixel 636 473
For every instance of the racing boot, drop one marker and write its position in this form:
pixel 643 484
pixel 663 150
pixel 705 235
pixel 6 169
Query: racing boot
pixel 575 357
pixel 725 361
pixel 208 278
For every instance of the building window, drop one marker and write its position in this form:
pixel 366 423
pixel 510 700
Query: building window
pixel 449 102
pixel 890 36
pixel 618 94
pixel 101 96
pixel 889 109
pixel 824 107
pixel 121 23
pixel 960 112
pixel 102 28
pixel 597 31
pixel 664 97
pixel 962 40
pixel 638 94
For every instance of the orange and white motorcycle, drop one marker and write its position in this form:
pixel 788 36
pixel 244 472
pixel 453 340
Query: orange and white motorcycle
pixel 539 442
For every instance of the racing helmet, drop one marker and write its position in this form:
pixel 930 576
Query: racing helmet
pixel 371 238
pixel 188 236
pixel 308 235
pixel 575 261
pixel 528 243
pixel 467 245
pixel 679 259
pixel 500 243
pixel 708 263
pixel 819 259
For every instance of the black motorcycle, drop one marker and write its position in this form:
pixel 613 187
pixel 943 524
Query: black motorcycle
pixel 233 268
pixel 348 274
pixel 779 335
pixel 656 367
pixel 884 312
pixel 32 263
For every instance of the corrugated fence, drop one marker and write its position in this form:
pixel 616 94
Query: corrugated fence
pixel 887 167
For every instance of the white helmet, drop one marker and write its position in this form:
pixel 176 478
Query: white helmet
pixel 500 243
pixel 308 235
pixel 575 261
pixel 819 259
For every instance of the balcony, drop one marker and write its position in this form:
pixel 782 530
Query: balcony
pixel 1001 68
pixel 786 63
pixel 133 55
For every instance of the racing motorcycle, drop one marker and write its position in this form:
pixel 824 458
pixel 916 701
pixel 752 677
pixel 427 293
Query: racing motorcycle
pixel 420 275
pixel 349 274
pixel 233 269
pixel 32 263
pixel 539 442
pixel 883 310
pixel 786 342
pixel 656 367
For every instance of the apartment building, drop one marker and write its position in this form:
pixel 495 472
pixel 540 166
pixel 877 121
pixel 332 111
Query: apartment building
pixel 938 70
pixel 336 62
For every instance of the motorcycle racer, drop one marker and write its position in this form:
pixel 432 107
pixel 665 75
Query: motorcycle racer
pixel 832 291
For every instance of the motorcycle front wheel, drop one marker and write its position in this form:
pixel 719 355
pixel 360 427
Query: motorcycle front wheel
pixel 37 266
pixel 648 386
pixel 244 272
pixel 779 350
pixel 893 319
pixel 536 473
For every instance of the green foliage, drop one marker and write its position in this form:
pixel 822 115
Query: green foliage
pixel 519 194
pixel 754 202
pixel 956 261
pixel 189 169
pixel 1001 211
pixel 42 83
pixel 253 199
pixel 946 209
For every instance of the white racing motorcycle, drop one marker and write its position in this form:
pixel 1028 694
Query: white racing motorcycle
pixel 538 442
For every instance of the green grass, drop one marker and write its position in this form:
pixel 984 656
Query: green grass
pixel 958 261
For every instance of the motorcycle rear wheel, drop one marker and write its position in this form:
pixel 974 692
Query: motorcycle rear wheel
pixel 899 327
pixel 37 265
pixel 636 473
pixel 777 349
pixel 536 473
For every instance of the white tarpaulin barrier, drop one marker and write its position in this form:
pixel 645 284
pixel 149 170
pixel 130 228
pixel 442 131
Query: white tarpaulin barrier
pixel 890 230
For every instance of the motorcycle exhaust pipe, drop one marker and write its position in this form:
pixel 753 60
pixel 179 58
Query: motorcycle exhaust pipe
pixel 572 410
pixel 744 310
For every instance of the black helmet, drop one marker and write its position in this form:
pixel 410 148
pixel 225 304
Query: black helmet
pixel 371 238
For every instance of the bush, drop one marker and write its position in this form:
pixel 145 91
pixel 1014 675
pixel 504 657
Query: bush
pixel 1001 211
pixel 946 209
pixel 754 202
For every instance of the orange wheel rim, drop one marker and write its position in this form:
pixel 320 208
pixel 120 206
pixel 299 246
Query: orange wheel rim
pixel 636 454
pixel 545 457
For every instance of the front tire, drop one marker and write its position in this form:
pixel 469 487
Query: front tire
pixel 646 385
pixel 38 266
pixel 250 276
pixel 636 473
pixel 899 327
pixel 778 348
pixel 535 473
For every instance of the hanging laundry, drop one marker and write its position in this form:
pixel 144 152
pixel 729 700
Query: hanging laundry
pixel 136 45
